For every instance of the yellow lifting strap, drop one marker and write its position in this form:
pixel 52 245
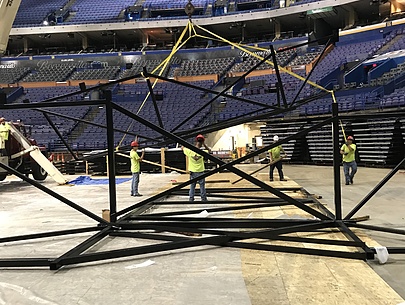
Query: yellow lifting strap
pixel 162 66
pixel 340 121
pixel 236 45
pixel 343 130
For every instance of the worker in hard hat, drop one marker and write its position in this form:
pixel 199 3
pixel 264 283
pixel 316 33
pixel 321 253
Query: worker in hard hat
pixel 135 168
pixel 276 155
pixel 349 159
pixel 4 133
pixel 196 167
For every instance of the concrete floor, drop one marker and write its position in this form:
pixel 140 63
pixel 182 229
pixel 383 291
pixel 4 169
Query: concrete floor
pixel 203 275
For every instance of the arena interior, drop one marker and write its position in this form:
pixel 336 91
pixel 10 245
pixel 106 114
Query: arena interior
pixel 82 80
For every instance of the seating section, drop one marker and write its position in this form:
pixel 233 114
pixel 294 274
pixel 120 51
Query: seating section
pixel 107 73
pixel 12 75
pixel 395 41
pixel 301 2
pixel 138 67
pixel 374 139
pixel 41 131
pixel 264 93
pixel 204 66
pixel 243 5
pixel 173 4
pixel 343 53
pixel 36 95
pixel 320 145
pixel 90 11
pixel 290 84
pixel 389 75
pixel 174 108
pixel 50 73
pixel 33 12
pixel 283 57
pixel 393 100
pixel 304 59
pixel 63 72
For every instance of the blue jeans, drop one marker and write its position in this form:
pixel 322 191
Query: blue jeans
pixel 349 175
pixel 201 182
pixel 135 183
pixel 279 166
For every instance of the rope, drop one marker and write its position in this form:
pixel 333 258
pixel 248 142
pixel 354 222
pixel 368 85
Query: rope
pixel 261 58
pixel 340 121
pixel 179 44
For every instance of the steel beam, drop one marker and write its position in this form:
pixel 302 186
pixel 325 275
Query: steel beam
pixel 111 157
pixel 92 257
pixel 217 210
pixel 310 72
pixel 393 250
pixel 52 104
pixel 225 201
pixel 297 250
pixel 212 220
pixel 350 234
pixel 49 234
pixel 60 136
pixel 235 223
pixel 276 230
pixel 376 228
pixel 153 96
pixel 25 262
pixel 149 236
pixel 336 163
pixel 229 196
pixel 280 86
pixel 244 190
pixel 299 239
pixel 83 246
pixel 311 199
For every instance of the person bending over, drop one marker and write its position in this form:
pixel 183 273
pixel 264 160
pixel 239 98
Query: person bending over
pixel 276 160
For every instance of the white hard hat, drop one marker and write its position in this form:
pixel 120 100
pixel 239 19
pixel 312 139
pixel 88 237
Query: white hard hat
pixel 275 138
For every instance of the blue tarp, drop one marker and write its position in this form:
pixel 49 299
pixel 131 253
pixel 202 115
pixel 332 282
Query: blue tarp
pixel 86 180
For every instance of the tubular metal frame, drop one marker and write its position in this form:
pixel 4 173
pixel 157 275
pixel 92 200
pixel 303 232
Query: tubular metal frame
pixel 220 231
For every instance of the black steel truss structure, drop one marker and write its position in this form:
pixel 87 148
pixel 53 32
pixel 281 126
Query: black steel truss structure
pixel 132 222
